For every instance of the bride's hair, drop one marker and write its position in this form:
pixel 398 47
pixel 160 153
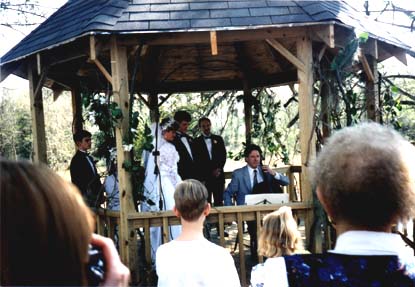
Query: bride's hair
pixel 168 124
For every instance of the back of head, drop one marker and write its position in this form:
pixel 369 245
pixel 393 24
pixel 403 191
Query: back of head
pixel 190 198
pixel 180 116
pixel 168 124
pixel 365 175
pixel 279 234
pixel 79 135
pixel 45 227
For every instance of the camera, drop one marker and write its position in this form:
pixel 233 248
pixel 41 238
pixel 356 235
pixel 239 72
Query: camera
pixel 96 266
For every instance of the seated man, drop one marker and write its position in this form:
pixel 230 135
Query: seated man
pixel 245 179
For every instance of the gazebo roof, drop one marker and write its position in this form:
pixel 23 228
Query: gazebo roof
pixel 78 18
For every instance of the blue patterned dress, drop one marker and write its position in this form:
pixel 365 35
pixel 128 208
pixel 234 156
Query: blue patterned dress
pixel 339 270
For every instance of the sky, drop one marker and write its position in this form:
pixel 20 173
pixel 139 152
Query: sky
pixel 9 38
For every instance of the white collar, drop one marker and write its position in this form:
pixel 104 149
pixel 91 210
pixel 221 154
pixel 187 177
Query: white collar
pixel 370 243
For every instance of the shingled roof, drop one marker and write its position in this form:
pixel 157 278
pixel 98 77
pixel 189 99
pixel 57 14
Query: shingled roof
pixel 78 18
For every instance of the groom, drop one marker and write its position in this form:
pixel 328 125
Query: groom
pixel 184 146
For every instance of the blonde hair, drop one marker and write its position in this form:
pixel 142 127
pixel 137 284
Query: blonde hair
pixel 279 235
pixel 190 198
pixel 45 227
pixel 367 165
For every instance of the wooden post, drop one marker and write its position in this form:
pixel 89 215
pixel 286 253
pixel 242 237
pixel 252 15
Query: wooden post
pixel 128 239
pixel 38 118
pixel 154 109
pixel 325 111
pixel 307 135
pixel 76 110
pixel 372 98
pixel 248 113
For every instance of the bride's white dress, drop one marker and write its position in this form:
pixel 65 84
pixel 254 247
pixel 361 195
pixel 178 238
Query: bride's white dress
pixel 153 190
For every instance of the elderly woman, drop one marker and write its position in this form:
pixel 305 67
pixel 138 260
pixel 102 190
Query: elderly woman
pixel 364 178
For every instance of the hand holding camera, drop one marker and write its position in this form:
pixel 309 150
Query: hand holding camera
pixel 114 272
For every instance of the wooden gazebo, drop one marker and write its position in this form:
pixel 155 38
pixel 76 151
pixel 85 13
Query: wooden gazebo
pixel 187 46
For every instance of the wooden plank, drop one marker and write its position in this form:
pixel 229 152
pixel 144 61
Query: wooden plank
pixel 213 43
pixel 38 118
pixel 286 53
pixel 307 135
pixel 119 69
pixel 166 230
pixel 221 230
pixel 242 263
pixel 147 242
pixel 366 67
pixel 258 232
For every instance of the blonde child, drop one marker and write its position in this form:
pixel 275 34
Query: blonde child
pixel 279 236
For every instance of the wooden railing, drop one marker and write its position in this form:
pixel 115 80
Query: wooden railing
pixel 221 215
pixel 141 223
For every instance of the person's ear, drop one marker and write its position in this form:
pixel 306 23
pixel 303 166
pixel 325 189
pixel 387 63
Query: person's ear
pixel 176 212
pixel 207 209
pixel 323 201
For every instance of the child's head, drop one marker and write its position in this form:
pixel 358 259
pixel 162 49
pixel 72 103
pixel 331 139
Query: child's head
pixel 279 235
pixel 190 199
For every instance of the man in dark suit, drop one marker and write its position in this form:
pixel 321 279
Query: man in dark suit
pixel 84 173
pixel 184 146
pixel 243 182
pixel 210 154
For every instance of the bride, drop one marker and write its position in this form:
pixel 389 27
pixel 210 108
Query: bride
pixel 161 178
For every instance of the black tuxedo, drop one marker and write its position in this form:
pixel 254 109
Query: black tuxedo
pixel 206 166
pixel 86 178
pixel 186 165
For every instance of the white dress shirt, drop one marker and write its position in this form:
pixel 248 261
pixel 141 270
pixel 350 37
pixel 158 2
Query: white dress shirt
pixel 252 174
pixel 208 142
pixel 186 144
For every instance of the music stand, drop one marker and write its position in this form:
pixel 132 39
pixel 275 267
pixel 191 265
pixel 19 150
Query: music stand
pixel 266 198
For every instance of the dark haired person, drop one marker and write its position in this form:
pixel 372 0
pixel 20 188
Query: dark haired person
pixel 161 179
pixel 184 146
pixel 245 179
pixel 210 154
pixel 190 259
pixel 84 173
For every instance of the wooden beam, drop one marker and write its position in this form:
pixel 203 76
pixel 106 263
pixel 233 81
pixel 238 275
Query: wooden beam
pixel 213 43
pixel 92 53
pixel 307 135
pixel 77 124
pixel 38 118
pixel 371 48
pixel 93 58
pixel 326 34
pixel 184 38
pixel 387 50
pixel 286 53
pixel 366 66
pixel 39 66
pixel 119 69
pixel 372 92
